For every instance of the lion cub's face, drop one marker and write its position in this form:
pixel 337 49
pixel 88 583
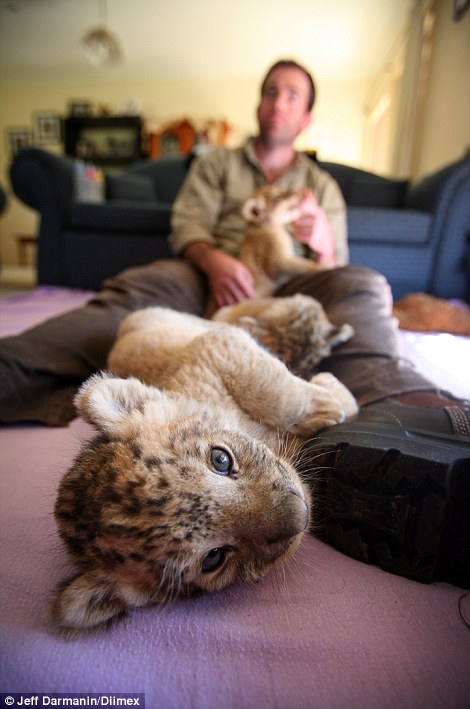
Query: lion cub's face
pixel 168 501
pixel 271 205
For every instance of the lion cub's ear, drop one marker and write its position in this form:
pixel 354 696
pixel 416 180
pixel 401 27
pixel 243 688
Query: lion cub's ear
pixel 255 210
pixel 107 402
pixel 84 602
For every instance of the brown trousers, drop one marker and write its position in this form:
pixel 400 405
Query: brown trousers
pixel 41 369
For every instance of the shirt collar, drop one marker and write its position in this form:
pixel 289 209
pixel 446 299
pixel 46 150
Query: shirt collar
pixel 250 154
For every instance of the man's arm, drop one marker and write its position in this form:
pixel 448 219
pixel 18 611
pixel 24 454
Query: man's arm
pixel 198 204
pixel 324 230
pixel 314 230
pixel 195 215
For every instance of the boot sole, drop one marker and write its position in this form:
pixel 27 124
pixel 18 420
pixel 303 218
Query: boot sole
pixel 383 500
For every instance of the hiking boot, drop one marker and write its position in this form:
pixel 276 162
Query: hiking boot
pixel 392 488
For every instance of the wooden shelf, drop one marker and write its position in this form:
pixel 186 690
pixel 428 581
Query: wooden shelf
pixel 105 141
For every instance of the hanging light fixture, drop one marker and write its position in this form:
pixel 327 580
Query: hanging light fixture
pixel 100 45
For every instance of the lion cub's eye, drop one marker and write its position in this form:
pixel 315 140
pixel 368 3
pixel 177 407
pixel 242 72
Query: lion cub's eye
pixel 214 559
pixel 222 461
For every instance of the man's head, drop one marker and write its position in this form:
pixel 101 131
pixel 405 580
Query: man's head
pixel 287 97
pixel 291 64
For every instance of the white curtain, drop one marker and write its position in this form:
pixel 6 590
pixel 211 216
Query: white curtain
pixel 412 91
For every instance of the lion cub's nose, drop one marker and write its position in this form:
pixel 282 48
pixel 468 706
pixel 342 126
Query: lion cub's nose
pixel 294 522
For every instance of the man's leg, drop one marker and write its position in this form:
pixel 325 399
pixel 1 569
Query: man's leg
pixel 370 363
pixel 41 369
pixel 394 481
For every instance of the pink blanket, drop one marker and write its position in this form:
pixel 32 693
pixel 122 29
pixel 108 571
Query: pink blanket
pixel 328 632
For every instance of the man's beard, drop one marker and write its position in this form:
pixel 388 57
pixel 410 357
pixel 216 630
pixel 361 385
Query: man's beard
pixel 275 140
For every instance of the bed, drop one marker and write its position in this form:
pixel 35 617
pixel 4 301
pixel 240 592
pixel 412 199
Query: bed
pixel 328 631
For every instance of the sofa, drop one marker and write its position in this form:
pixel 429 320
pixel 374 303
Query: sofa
pixel 416 235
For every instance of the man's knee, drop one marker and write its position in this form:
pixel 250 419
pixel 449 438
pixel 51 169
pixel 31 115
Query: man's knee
pixel 336 284
pixel 171 283
pixel 361 277
pixel 163 269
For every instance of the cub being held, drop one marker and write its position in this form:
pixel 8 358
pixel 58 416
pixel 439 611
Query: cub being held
pixel 267 249
pixel 187 486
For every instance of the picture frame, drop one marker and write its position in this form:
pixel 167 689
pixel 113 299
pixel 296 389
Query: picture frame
pixel 79 108
pixel 460 8
pixel 47 127
pixel 17 139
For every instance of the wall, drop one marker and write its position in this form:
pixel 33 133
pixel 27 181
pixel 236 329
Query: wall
pixel 445 134
pixel 336 132
pixel 417 113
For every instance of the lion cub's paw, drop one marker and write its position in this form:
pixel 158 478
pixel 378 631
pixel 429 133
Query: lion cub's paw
pixel 328 381
pixel 331 403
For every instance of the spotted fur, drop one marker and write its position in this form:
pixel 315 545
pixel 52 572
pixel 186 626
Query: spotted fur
pixel 184 489
pixel 294 329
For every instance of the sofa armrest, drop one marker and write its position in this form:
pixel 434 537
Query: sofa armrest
pixel 436 191
pixel 446 195
pixel 42 180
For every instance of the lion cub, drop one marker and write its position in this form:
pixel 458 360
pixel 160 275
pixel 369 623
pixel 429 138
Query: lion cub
pixel 185 488
pixel 295 329
pixel 267 249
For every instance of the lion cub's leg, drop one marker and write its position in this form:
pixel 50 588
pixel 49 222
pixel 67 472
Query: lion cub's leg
pixel 264 388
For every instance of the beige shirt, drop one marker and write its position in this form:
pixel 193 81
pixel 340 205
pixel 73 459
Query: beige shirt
pixel 208 207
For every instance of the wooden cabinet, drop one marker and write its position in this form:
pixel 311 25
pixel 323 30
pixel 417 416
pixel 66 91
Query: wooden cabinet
pixel 175 139
pixel 106 141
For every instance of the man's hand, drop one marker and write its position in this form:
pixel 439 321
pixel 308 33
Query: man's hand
pixel 313 229
pixel 229 279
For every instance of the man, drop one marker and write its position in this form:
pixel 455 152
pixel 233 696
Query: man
pixel 404 421
pixel 199 224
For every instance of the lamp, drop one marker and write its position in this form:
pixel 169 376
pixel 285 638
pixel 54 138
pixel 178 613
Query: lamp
pixel 100 45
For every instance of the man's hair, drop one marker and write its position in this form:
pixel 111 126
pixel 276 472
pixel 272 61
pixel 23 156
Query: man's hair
pixel 291 64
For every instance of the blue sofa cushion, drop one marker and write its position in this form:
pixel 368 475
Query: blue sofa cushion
pixel 389 226
pixel 130 187
pixel 122 216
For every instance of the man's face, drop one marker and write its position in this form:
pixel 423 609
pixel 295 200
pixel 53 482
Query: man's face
pixel 283 111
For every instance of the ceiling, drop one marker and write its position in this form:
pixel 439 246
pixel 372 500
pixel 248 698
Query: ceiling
pixel 39 39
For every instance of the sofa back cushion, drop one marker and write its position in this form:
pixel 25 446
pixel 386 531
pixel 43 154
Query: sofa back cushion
pixel 166 175
pixel 149 181
pixel 364 189
pixel 136 188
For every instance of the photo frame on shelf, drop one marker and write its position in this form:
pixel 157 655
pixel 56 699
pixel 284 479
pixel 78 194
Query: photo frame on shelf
pixel 79 109
pixel 47 127
pixel 17 139
pixel 460 8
